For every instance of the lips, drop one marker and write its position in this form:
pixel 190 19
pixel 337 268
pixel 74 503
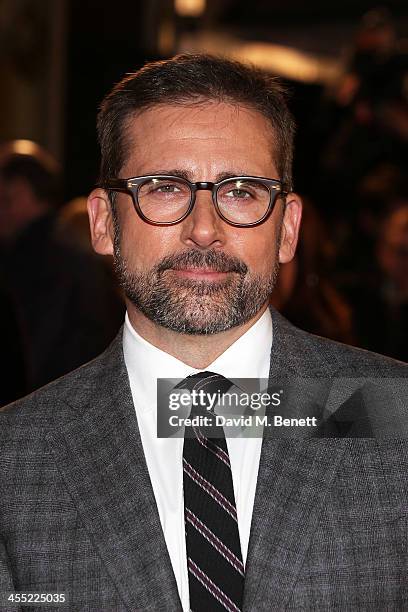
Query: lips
pixel 202 273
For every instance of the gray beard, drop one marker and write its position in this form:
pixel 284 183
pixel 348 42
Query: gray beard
pixel 195 307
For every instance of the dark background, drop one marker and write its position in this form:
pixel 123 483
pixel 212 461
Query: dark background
pixel 349 280
pixel 106 40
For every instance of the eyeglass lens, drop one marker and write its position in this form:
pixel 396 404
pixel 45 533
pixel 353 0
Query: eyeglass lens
pixel 164 200
pixel 167 200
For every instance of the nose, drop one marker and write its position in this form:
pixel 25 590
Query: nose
pixel 203 227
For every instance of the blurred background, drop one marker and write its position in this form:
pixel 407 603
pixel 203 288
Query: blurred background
pixel 346 67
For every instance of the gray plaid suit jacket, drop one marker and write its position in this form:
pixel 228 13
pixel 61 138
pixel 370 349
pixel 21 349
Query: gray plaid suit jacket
pixel 78 514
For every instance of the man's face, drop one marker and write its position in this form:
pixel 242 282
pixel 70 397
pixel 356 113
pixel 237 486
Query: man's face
pixel 202 275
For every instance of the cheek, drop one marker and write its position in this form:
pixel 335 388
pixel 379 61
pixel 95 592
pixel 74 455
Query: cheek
pixel 144 245
pixel 258 250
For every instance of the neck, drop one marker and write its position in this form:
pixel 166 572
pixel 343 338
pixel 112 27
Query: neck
pixel 196 351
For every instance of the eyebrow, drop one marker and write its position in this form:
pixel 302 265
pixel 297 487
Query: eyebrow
pixel 188 176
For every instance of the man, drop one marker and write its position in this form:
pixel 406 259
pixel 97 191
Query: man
pixel 195 205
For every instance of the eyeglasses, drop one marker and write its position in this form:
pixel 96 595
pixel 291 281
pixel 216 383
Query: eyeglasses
pixel 241 201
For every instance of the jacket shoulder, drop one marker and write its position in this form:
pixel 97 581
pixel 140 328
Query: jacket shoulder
pixel 358 360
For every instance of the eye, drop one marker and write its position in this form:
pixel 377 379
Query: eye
pixel 168 188
pixel 238 190
pixel 238 193
pixel 164 187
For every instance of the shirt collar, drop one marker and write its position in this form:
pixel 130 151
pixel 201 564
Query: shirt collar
pixel 247 357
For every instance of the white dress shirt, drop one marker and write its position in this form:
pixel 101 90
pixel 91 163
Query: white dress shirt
pixel 248 357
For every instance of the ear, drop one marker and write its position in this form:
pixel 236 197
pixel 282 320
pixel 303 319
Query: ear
pixel 100 221
pixel 290 227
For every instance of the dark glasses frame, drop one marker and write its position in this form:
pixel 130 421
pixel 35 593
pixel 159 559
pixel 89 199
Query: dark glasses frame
pixel 132 185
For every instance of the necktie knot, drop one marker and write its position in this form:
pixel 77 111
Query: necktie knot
pixel 206 391
pixel 205 381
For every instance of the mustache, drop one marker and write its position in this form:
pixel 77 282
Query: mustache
pixel 212 259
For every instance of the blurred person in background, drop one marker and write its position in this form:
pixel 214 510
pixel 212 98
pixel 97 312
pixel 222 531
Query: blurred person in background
pixel 304 292
pixel 362 122
pixel 380 300
pixel 64 308
pixel 72 226
pixel 72 230
pixel 356 247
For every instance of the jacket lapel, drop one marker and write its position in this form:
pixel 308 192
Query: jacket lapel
pixel 99 452
pixel 293 479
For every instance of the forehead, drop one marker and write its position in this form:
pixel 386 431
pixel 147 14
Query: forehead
pixel 209 135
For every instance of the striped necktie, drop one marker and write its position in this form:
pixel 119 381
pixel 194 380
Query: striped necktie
pixel 214 558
